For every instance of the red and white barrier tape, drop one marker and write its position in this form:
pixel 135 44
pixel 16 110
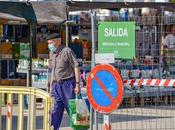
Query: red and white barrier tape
pixel 150 82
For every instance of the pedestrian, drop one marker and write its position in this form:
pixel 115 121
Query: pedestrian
pixel 168 51
pixel 65 77
pixel 169 41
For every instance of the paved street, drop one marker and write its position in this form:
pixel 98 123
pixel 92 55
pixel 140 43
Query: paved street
pixel 39 120
pixel 65 123
pixel 144 118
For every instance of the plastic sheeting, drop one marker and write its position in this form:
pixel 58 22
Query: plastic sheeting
pixel 40 12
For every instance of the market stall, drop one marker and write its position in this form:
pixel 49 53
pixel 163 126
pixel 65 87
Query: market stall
pixel 32 14
pixel 47 13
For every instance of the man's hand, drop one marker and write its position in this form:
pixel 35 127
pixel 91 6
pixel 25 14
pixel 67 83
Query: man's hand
pixel 77 89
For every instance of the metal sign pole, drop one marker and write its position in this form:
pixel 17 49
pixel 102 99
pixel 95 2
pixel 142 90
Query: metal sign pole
pixel 161 35
pixel 29 75
pixel 92 65
pixel 32 49
pixel 106 119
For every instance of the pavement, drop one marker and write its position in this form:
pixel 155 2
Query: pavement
pixel 39 119
pixel 140 118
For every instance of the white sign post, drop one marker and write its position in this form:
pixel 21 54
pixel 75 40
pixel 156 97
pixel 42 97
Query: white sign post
pixel 104 58
pixel 106 119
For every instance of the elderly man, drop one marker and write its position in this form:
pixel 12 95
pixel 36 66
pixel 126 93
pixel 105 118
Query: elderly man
pixel 65 77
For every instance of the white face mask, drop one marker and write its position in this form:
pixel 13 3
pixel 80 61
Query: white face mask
pixel 52 48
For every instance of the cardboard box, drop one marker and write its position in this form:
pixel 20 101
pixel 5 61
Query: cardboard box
pixel 16 82
pixel 42 48
pixel 6 50
pixel 23 82
pixel 5 82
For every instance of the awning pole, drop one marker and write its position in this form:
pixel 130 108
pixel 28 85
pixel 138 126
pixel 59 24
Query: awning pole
pixel 67 34
pixel 92 65
pixel 33 53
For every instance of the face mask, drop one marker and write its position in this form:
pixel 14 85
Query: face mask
pixel 52 48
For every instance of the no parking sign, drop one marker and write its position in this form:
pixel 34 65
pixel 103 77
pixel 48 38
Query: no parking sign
pixel 105 88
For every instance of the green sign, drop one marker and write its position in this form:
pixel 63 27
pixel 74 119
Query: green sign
pixel 117 38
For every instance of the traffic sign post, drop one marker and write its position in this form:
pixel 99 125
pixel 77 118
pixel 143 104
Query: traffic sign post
pixel 107 125
pixel 105 90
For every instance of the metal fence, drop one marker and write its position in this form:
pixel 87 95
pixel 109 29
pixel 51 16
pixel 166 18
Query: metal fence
pixel 149 93
pixel 20 117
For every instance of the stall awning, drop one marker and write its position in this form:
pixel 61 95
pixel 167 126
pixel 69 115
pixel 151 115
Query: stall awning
pixel 55 12
pixel 50 12
pixel 40 12
pixel 78 6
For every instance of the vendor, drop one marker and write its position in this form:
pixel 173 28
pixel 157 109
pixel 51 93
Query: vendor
pixel 169 41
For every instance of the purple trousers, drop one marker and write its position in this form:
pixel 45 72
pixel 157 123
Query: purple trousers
pixel 61 92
